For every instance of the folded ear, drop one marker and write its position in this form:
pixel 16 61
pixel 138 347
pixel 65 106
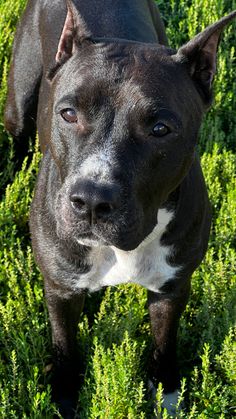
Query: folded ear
pixel 73 34
pixel 200 54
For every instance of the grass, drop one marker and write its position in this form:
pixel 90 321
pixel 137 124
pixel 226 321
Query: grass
pixel 115 344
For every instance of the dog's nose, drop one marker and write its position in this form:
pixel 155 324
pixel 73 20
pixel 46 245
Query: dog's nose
pixel 94 201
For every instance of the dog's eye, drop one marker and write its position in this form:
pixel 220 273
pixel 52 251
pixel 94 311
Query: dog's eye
pixel 160 130
pixel 69 115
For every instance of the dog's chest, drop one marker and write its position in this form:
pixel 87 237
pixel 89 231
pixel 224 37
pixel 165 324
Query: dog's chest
pixel 147 265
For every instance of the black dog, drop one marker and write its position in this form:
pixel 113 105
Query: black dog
pixel 120 196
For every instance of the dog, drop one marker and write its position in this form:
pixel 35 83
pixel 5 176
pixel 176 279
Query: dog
pixel 120 195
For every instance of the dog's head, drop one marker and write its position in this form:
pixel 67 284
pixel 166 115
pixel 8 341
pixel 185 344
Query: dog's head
pixel 125 122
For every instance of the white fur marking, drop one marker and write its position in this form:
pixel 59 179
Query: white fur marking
pixel 170 400
pixel 146 265
pixel 97 165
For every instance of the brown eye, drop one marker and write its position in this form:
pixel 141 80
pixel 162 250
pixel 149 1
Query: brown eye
pixel 160 130
pixel 69 115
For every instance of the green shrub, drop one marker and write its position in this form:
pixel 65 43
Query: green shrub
pixel 184 19
pixel 9 14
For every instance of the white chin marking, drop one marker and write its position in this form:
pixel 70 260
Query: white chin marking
pixel 89 242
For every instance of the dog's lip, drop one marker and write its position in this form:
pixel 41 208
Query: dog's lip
pixel 127 239
pixel 90 234
pixel 91 239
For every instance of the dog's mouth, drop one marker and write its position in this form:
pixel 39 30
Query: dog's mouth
pixel 113 233
pixel 125 240
pixel 125 229
pixel 118 232
pixel 90 239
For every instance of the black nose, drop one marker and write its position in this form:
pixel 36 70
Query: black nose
pixel 94 201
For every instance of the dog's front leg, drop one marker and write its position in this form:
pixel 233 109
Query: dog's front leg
pixel 64 313
pixel 165 310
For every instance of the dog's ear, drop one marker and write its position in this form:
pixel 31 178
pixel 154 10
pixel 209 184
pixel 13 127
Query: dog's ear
pixel 74 34
pixel 200 55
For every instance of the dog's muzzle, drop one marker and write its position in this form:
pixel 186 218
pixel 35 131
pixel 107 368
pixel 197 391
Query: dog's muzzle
pixel 101 211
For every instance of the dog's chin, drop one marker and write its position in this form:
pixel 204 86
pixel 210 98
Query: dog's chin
pixel 125 239
pixel 123 242
pixel 91 241
pixel 93 237
pixel 96 242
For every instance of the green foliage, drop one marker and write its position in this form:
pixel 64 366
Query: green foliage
pixel 209 396
pixel 23 326
pixel 114 372
pixel 9 14
pixel 184 19
pixel 118 338
pixel 116 345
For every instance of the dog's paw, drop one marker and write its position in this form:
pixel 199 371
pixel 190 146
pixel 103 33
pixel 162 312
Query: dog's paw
pixel 169 400
pixel 66 409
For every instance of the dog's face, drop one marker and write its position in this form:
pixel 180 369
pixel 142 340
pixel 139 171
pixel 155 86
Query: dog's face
pixel 121 125
pixel 123 137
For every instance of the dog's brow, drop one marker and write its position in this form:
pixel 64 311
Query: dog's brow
pixel 68 99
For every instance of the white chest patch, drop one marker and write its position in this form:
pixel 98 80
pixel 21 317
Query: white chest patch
pixel 146 265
